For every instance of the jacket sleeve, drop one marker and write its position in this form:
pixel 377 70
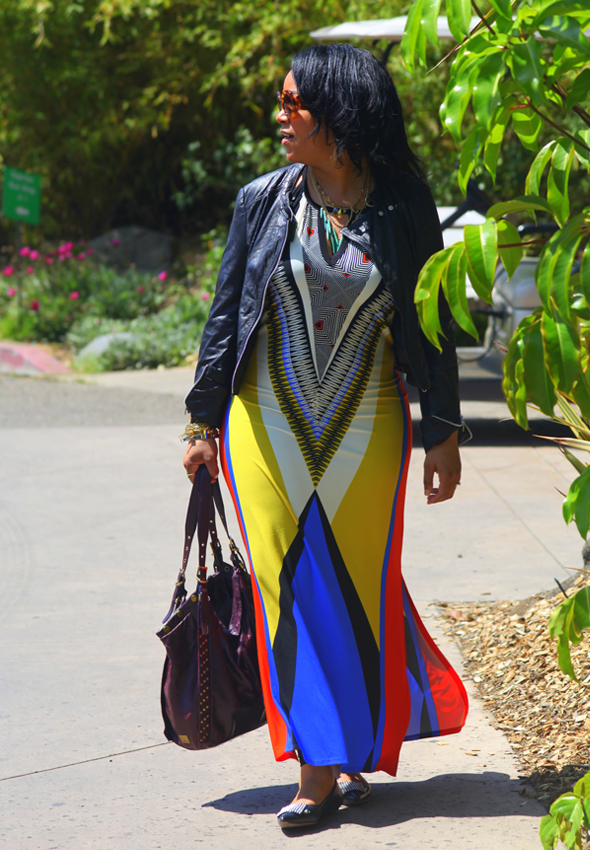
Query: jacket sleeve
pixel 207 400
pixel 439 405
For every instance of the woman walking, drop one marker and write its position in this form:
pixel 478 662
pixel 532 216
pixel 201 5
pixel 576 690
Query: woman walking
pixel 312 319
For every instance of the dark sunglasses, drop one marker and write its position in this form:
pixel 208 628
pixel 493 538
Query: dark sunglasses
pixel 289 102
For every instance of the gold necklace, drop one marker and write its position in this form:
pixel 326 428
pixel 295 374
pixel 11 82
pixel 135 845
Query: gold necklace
pixel 353 211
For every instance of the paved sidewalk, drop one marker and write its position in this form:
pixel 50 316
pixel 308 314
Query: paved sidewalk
pixel 91 521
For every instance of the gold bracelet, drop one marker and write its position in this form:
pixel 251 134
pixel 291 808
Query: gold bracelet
pixel 199 431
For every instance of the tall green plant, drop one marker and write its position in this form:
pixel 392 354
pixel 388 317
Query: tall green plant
pixel 526 64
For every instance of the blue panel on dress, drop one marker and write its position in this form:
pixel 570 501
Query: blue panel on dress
pixel 424 685
pixel 322 697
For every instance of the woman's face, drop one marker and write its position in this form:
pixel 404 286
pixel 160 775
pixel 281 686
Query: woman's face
pixel 298 144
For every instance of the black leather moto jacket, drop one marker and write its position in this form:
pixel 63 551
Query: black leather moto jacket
pixel 400 231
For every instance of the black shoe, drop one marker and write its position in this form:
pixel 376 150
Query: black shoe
pixel 308 814
pixel 355 791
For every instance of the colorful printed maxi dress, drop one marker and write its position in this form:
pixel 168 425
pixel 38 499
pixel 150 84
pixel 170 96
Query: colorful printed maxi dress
pixel 315 450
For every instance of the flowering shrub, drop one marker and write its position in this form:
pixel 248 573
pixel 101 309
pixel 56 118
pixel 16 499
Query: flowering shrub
pixel 62 297
pixel 44 298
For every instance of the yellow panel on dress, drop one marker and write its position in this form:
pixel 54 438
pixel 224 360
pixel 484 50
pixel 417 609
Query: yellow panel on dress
pixel 270 522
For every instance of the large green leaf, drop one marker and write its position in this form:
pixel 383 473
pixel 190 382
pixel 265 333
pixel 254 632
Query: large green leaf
pixel 503 7
pixel 553 273
pixel 470 153
pixel 527 68
pixel 513 381
pixel 527 126
pixel 426 295
pixel 539 386
pixel 453 283
pixel 459 17
pixel 581 395
pixel 521 204
pixel 508 235
pixel 572 617
pixel 535 175
pixel 430 10
pixel 481 245
pixel 558 178
pixel 560 344
pixel 579 90
pixel 484 79
pixel 456 101
pixel 411 38
pixel 548 832
pixel 582 147
pixel 494 141
pixel 566 30
pixel 585 272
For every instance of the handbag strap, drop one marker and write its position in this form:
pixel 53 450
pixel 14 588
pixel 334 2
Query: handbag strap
pixel 199 517
pixel 236 555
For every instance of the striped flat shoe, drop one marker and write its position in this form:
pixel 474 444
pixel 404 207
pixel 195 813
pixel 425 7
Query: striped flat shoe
pixel 308 814
pixel 354 791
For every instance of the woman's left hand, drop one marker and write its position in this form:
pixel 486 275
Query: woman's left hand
pixel 445 460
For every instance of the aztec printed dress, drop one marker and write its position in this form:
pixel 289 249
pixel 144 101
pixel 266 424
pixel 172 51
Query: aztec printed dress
pixel 315 449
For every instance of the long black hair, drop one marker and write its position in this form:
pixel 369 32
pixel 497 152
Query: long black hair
pixel 354 100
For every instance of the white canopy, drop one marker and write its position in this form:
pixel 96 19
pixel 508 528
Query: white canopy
pixel 391 29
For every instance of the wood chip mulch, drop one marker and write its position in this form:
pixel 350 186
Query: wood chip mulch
pixel 508 653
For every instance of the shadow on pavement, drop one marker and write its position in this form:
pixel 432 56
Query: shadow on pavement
pixel 454 795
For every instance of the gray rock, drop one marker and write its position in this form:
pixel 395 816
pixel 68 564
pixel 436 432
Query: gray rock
pixel 145 249
pixel 100 344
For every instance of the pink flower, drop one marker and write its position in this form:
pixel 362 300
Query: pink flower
pixel 30 270
pixel 88 251
pixel 74 295
pixel 7 271
pixel 65 248
pixel 33 255
pixel 140 288
pixel 62 257
pixel 163 276
pixel 115 242
pixel 69 255
pixel 81 256
pixel 49 261
pixel 205 296
pixel 24 252
pixel 34 305
pixel 11 292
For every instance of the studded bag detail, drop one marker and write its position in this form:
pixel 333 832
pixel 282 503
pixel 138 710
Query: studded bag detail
pixel 211 681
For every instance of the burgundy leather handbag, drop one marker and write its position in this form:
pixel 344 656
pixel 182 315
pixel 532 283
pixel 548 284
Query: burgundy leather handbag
pixel 211 681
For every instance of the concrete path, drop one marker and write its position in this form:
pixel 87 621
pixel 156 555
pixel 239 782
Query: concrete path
pixel 91 518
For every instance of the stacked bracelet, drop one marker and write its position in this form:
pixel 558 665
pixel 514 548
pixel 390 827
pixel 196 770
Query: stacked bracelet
pixel 199 431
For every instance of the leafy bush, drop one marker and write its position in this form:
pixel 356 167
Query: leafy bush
pixel 167 338
pixel 231 166
pixel 63 297
pixel 568 821
pixel 43 296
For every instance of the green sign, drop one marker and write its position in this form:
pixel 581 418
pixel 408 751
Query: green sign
pixel 21 198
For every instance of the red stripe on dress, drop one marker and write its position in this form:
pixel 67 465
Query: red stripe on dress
pixel 398 702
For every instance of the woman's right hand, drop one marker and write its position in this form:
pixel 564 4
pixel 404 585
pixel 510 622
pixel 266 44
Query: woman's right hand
pixel 198 452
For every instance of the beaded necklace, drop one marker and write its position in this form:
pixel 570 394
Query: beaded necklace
pixel 329 208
